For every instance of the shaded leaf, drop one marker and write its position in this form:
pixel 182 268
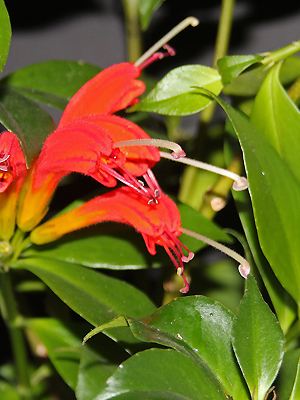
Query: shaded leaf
pixel 8 392
pixel 257 341
pixel 26 119
pixel 161 374
pixel 288 373
pixel 146 10
pixel 51 82
pixel 5 34
pixel 230 67
pixel 199 328
pixel 94 296
pixel 175 93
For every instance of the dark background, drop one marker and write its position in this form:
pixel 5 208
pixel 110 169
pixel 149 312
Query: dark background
pixel 93 30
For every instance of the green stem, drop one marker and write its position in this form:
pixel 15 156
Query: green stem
pixel 12 318
pixel 133 29
pixel 282 53
pixel 221 47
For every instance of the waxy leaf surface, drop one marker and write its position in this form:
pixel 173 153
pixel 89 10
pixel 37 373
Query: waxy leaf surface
pixel 200 328
pixel 26 119
pixel 51 82
pixel 230 67
pixel 288 374
pixel 257 341
pixel 164 375
pixel 175 93
pixel 5 34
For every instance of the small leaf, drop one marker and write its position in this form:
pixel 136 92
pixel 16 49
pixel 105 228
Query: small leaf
pixel 230 67
pixel 146 10
pixel 257 341
pixel 175 93
pixel 26 119
pixel 277 117
pixel 161 374
pixel 199 328
pixel 5 34
pixel 288 374
pixel 51 82
pixel 96 297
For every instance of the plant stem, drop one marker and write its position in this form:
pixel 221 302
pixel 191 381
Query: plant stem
pixel 282 53
pixel 12 318
pixel 221 47
pixel 133 30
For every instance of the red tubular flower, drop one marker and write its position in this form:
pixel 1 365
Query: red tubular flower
pixel 159 224
pixel 84 143
pixel 12 172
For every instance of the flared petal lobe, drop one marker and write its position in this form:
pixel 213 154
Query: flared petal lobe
pixel 12 160
pixel 113 89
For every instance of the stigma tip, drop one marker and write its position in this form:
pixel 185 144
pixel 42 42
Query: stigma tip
pixel 240 184
pixel 244 269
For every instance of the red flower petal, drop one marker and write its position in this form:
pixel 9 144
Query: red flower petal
pixel 113 89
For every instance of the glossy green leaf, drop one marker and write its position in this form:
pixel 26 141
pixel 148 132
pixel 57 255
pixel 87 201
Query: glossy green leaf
pixel 164 375
pixel 288 374
pixel 175 93
pixel 285 306
pixel 199 328
pixel 51 82
pixel 110 246
pixel 248 83
pixel 230 67
pixel 275 195
pixel 62 344
pixel 146 10
pixel 257 341
pixel 5 34
pixel 295 395
pixel 94 296
pixel 26 119
pixel 277 117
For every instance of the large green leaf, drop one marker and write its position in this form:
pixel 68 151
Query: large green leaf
pixel 257 341
pixel 94 296
pixel 164 375
pixel 146 10
pixel 277 117
pixel 275 194
pixel 175 93
pixel 51 82
pixel 200 328
pixel 288 374
pixel 285 307
pixel 63 346
pixel 5 34
pixel 230 67
pixel 26 119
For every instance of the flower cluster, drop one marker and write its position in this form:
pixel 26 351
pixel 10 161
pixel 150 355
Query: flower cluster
pixel 90 139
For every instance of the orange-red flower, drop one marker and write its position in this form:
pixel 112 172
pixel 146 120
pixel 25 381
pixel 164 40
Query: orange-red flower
pixel 159 224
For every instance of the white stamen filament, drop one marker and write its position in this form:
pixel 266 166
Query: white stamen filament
pixel 189 21
pixel 177 151
pixel 4 158
pixel 240 182
pixel 244 266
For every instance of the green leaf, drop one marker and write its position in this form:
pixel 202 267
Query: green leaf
pixel 175 93
pixel 8 392
pixel 288 374
pixel 63 346
pixel 5 34
pixel 26 119
pixel 96 248
pixel 51 82
pixel 285 306
pixel 195 221
pixel 146 10
pixel 161 374
pixel 248 83
pixel 94 296
pixel 257 341
pixel 275 195
pixel 199 328
pixel 230 67
pixel 277 117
